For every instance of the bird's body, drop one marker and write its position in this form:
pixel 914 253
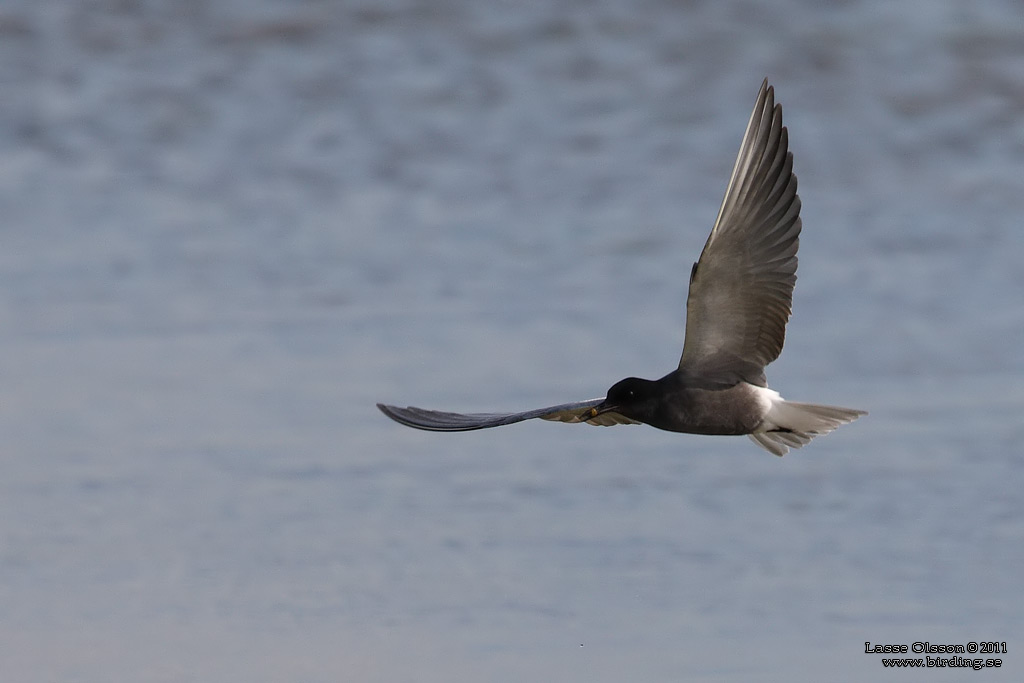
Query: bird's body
pixel 739 302
pixel 674 406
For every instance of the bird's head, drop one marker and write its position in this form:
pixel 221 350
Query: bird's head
pixel 632 397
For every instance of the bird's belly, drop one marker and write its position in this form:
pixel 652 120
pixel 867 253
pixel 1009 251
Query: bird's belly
pixel 736 410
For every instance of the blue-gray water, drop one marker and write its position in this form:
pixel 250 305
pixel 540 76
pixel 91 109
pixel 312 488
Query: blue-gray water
pixel 228 228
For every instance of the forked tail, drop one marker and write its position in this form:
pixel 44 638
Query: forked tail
pixel 789 424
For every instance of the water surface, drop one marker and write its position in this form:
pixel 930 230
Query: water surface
pixel 230 228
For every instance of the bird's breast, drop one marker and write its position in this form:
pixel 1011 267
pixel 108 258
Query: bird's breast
pixel 736 410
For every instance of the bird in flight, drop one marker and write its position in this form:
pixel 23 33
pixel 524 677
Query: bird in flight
pixel 740 299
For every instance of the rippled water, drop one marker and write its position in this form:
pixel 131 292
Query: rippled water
pixel 230 227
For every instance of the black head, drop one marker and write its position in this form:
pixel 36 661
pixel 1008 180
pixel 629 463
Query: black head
pixel 632 397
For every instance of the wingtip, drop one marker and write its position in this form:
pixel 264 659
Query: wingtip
pixel 388 410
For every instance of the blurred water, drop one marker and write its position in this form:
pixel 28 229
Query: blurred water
pixel 231 227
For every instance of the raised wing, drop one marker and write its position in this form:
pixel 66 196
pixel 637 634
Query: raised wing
pixel 741 289
pixel 438 421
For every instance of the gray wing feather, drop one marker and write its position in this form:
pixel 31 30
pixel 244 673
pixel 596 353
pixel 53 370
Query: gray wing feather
pixel 741 288
pixel 440 421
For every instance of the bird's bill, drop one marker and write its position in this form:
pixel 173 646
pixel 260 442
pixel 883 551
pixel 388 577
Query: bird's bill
pixel 599 410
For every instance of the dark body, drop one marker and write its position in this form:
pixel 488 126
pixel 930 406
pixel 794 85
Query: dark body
pixel 677 403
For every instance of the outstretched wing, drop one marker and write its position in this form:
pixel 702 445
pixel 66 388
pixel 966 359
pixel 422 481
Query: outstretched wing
pixel 438 421
pixel 741 289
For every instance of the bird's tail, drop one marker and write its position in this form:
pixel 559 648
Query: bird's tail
pixel 789 424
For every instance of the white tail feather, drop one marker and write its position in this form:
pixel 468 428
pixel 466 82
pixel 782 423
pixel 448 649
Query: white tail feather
pixel 791 425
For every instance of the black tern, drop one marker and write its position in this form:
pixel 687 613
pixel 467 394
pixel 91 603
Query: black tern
pixel 740 299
